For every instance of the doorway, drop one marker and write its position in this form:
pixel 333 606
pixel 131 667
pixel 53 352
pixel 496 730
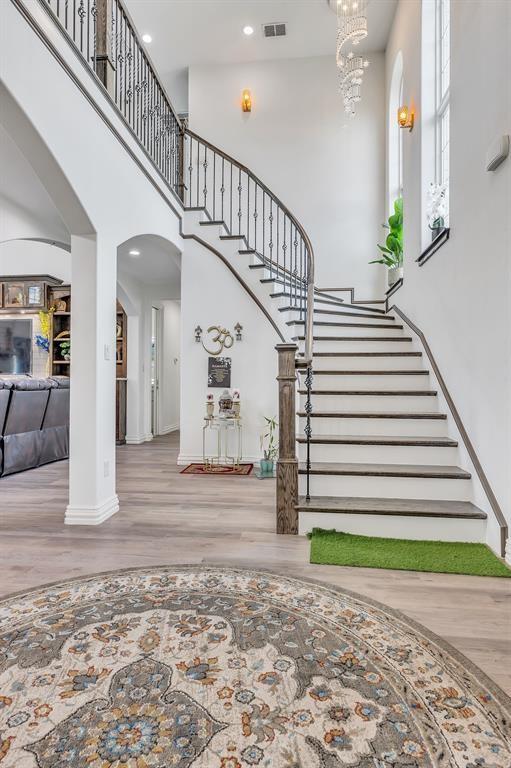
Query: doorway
pixel 155 383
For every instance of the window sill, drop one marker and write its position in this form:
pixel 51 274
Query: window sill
pixel 433 247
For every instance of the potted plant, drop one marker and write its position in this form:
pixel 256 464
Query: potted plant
pixel 392 251
pixel 271 449
pixel 437 210
pixel 65 349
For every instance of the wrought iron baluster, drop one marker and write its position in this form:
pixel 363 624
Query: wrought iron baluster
pixel 255 217
pixel 264 225
pixel 270 244
pixel 222 188
pixel 214 186
pixel 308 428
pixel 81 15
pixel 230 203
pixel 205 164
pixel 74 21
pixel 239 201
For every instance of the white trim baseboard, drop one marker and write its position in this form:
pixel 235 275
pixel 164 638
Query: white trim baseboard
pixel 92 515
pixel 171 428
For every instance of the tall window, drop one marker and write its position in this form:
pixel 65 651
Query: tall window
pixel 395 135
pixel 443 64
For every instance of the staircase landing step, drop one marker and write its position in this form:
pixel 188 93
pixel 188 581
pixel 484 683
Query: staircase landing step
pixel 399 440
pixel 373 392
pixel 399 507
pixel 355 339
pixel 345 325
pixel 371 415
pixel 387 470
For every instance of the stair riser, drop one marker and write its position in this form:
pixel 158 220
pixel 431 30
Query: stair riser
pixel 399 527
pixel 408 403
pixel 387 487
pixel 354 363
pixel 284 301
pixel 369 382
pixel 352 332
pixel 361 426
pixel 386 454
pixel 359 346
pixel 322 313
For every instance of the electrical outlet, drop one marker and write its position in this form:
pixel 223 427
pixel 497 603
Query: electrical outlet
pixel 106 468
pixel 106 351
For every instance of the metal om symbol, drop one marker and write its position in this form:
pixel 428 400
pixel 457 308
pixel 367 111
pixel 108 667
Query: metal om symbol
pixel 220 336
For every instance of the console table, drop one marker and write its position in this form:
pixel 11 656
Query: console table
pixel 224 428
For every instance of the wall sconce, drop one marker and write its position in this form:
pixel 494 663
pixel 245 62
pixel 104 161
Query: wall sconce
pixel 198 333
pixel 405 117
pixel 238 329
pixel 246 101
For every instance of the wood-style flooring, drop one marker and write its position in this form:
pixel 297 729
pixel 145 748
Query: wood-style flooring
pixel 166 517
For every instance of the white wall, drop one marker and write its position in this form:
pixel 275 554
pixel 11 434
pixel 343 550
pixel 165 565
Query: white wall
pixel 461 298
pixel 29 257
pixel 327 168
pixel 210 295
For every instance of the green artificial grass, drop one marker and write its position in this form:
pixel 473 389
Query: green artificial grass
pixel 335 548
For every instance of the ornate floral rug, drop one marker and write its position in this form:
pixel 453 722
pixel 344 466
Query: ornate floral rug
pixel 208 667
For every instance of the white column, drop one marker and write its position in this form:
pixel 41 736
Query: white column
pixel 92 496
pixel 135 433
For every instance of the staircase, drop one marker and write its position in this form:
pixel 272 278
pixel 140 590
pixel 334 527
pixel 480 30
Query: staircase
pixel 381 460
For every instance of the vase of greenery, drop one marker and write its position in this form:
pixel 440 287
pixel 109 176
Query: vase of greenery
pixel 268 446
pixel 437 210
pixel 65 349
pixel 392 251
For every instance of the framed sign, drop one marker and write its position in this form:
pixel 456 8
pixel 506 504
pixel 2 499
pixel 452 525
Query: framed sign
pixel 219 372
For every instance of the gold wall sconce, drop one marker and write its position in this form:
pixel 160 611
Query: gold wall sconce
pixel 405 117
pixel 246 101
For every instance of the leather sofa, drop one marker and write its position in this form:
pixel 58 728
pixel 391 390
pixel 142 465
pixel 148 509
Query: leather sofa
pixel 35 427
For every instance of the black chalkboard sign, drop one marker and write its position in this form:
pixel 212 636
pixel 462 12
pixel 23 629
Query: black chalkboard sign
pixel 219 372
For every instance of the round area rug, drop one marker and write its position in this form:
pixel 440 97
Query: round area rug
pixel 210 667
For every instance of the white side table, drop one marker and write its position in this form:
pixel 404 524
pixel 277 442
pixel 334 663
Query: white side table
pixel 225 428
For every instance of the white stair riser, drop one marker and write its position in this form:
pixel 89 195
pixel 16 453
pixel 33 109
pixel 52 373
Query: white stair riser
pixel 351 331
pixel 380 454
pixel 398 526
pixel 356 345
pixel 355 363
pixel 369 382
pixel 387 487
pixel 408 403
pixel 361 426
pixel 321 313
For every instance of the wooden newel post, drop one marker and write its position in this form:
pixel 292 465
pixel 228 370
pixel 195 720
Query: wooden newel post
pixel 104 58
pixel 287 464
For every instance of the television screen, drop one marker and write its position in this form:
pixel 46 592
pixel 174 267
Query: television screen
pixel 15 346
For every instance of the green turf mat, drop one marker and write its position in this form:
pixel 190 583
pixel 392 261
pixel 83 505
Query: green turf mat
pixel 335 548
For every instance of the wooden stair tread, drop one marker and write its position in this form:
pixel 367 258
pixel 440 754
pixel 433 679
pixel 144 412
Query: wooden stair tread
pixel 400 507
pixel 344 325
pixel 366 354
pixel 433 471
pixel 436 442
pixel 408 372
pixel 373 392
pixel 337 312
pixel 374 415
pixel 383 339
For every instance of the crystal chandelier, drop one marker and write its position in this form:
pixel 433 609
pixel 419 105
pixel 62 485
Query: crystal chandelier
pixel 351 29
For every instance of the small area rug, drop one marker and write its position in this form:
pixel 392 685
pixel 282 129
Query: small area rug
pixel 211 667
pixel 337 548
pixel 217 469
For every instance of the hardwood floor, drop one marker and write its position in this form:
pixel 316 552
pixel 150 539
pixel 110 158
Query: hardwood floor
pixel 166 517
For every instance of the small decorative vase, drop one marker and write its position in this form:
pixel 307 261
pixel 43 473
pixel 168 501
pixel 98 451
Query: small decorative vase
pixel 393 275
pixel 266 466
pixel 436 232
pixel 210 409
pixel 67 356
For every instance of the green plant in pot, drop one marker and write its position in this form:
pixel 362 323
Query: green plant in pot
pixel 269 446
pixel 392 251
pixel 65 349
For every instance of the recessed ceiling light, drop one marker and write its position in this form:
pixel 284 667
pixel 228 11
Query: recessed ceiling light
pixel 248 30
pixel 134 252
pixel 147 38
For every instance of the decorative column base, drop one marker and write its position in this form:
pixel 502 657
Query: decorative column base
pixel 287 496
pixel 92 515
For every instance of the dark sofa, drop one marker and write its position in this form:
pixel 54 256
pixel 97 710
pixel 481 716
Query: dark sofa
pixel 34 416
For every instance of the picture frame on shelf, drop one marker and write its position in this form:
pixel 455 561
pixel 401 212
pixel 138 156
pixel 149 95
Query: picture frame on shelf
pixel 34 295
pixel 14 295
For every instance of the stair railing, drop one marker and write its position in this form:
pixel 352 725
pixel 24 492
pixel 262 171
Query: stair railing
pixel 203 177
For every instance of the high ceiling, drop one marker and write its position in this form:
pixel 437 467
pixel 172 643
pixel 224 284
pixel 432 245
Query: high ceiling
pixel 187 32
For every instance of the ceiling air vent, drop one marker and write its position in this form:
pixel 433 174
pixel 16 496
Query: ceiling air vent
pixel 274 30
